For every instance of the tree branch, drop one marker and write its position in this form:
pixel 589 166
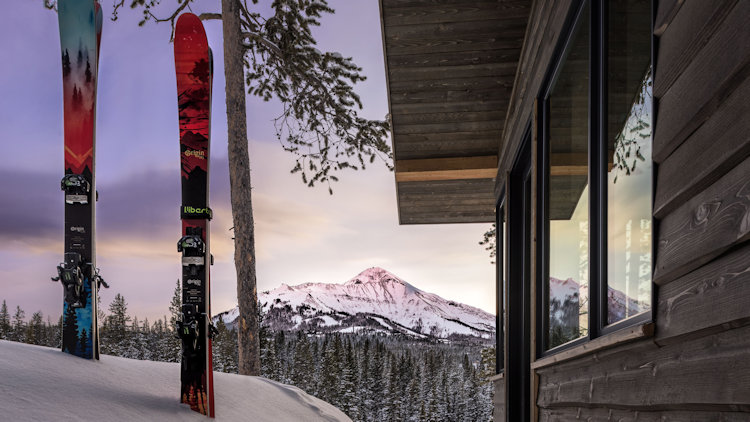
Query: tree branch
pixel 271 46
pixel 209 16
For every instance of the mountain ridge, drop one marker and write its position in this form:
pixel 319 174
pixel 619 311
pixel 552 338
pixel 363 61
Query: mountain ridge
pixel 374 301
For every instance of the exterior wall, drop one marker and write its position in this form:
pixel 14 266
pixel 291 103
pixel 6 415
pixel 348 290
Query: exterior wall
pixel 498 398
pixel 696 364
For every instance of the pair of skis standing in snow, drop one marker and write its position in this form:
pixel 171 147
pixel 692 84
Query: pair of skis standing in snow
pixel 80 35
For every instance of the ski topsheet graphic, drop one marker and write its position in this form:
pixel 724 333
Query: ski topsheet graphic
pixel 80 24
pixel 193 71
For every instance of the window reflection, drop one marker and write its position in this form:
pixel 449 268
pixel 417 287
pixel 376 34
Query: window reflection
pixel 630 169
pixel 568 204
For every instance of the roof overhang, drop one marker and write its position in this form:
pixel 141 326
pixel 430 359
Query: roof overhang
pixel 450 66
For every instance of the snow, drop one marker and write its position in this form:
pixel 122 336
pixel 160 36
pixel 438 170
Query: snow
pixel 230 316
pixel 43 384
pixel 328 321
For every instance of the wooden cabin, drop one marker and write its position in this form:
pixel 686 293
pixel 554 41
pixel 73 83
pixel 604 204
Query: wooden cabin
pixel 609 141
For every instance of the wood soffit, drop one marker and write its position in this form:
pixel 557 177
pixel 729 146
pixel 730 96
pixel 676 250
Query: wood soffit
pixel 450 67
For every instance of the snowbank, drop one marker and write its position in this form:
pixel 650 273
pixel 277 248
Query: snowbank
pixel 43 384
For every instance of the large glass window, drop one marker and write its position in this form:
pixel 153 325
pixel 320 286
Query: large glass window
pixel 596 175
pixel 629 150
pixel 568 203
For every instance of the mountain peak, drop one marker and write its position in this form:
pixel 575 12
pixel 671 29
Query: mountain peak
pixel 374 275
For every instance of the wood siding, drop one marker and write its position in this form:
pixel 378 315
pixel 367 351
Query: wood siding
pixel 696 367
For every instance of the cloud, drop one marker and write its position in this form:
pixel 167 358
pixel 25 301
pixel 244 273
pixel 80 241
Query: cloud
pixel 32 207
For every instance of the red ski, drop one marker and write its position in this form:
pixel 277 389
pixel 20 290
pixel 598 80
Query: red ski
pixel 193 70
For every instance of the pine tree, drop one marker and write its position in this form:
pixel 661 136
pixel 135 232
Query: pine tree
pixel 330 372
pixel 4 322
pixel 377 386
pixel 278 365
pixel 394 392
pixel 117 325
pixel 35 332
pixel 303 367
pixel 364 381
pixel 415 394
pixel 268 357
pixel 348 384
pixel 224 349
pixel 18 328
pixel 175 314
pixel 59 332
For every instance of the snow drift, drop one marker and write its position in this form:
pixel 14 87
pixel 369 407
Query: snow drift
pixel 43 384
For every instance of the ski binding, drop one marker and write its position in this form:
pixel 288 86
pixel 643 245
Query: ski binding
pixel 193 251
pixel 187 329
pixel 70 274
pixel 76 189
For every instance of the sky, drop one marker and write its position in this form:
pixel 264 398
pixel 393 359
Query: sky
pixel 302 234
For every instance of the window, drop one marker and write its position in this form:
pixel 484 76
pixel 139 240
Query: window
pixel 629 159
pixel 567 212
pixel 596 176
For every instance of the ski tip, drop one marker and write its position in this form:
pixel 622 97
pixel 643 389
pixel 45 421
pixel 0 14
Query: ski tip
pixel 188 20
pixel 190 33
pixel 99 17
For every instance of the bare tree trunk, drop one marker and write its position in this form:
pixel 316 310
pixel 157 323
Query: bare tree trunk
pixel 239 181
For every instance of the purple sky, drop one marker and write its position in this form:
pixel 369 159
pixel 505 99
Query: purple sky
pixel 302 234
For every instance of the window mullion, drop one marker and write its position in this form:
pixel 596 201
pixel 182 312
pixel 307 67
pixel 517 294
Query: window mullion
pixel 597 173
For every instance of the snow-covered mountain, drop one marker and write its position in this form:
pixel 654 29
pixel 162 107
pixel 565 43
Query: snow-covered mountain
pixel 620 305
pixel 374 301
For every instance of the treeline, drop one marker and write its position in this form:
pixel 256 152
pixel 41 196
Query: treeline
pixel 370 378
pixel 374 378
pixel 35 331
pixel 119 333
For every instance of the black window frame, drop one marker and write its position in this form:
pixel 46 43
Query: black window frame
pixel 519 282
pixel 500 260
pixel 597 134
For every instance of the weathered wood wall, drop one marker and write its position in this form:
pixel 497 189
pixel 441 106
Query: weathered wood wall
pixel 697 365
pixel 498 398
